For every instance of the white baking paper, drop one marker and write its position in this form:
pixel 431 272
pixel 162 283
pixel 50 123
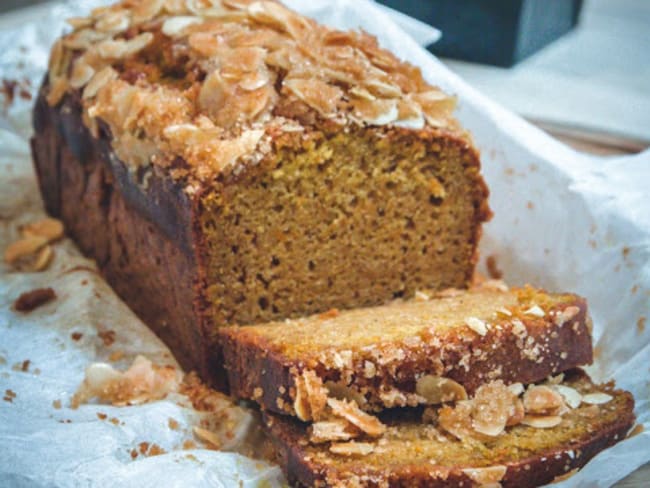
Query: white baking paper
pixel 563 220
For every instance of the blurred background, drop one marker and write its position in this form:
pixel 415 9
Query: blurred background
pixel 579 69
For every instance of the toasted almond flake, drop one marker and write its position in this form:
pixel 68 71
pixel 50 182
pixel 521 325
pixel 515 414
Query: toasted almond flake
pixel 317 94
pixel 487 475
pixel 555 380
pixel 98 81
pixel 516 389
pixel 377 112
pixel 536 311
pixel 79 22
pixel 120 48
pixel 420 296
pixel 43 259
pixel 113 22
pixel 24 247
pixel 504 311
pixel 542 400
pixel 566 315
pixel 332 430
pixel 435 389
pixel 351 412
pixel 58 89
pixel 173 26
pixel 542 421
pixel 207 437
pixel 352 448
pixel 477 325
pixel 598 398
pixel 81 74
pixel 570 395
pixel 50 228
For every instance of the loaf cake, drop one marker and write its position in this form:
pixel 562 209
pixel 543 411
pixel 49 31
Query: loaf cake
pixel 463 444
pixel 232 162
pixel 409 352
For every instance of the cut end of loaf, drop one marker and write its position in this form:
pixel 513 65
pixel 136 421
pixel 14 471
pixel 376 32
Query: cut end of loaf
pixel 341 220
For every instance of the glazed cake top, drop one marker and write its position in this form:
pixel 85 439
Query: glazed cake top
pixel 212 82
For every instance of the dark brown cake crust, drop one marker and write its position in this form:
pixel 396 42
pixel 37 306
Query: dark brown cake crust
pixel 140 236
pixel 257 371
pixel 289 437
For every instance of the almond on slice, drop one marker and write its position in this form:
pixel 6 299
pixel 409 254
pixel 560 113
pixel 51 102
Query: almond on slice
pixel 353 414
pixel 352 448
pixel 436 389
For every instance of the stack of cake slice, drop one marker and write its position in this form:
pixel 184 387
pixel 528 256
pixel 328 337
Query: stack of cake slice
pixel 456 388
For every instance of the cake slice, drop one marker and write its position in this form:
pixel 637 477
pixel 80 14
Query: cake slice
pixel 433 348
pixel 441 448
pixel 231 162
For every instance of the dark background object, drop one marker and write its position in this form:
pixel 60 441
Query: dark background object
pixel 499 32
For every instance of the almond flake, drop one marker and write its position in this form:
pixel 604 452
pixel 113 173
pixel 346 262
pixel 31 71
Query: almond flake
pixel 542 421
pixel 98 81
pixel 516 389
pixel 51 229
pixel 353 414
pixel 504 311
pixel 570 395
pixel 477 325
pixel 113 22
pixel 598 398
pixel 435 389
pixel 542 400
pixel 421 296
pixel 331 430
pixel 352 448
pixel 81 74
pixel 565 315
pixel 487 475
pixel 43 259
pixel 25 247
pixel 173 26
pixel 208 437
pixel 536 311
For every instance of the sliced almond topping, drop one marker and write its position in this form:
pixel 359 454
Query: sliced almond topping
pixel 542 400
pixel 208 437
pixel 332 430
pixel 58 89
pixel 113 22
pixel 570 395
pixel 435 389
pixel 598 398
pixel 352 448
pixel 487 475
pixel 353 414
pixel 317 94
pixel 477 325
pixel 79 22
pixel 51 229
pixel 81 74
pixel 565 315
pixel 516 389
pixel 504 311
pixel 98 81
pixel 22 248
pixel 542 421
pixel 377 112
pixel 43 259
pixel 492 407
pixel 173 26
pixel 536 311
pixel 310 397
pixel 420 296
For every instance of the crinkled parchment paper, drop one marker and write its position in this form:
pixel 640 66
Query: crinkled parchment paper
pixel 563 221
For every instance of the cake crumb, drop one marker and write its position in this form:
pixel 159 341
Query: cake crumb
pixel 640 324
pixel 76 336
pixel 189 445
pixel 172 423
pixel 9 396
pixel 56 404
pixel 101 416
pixel 31 300
pixel 107 337
pixel 493 269
pixel 116 356
pixel 208 437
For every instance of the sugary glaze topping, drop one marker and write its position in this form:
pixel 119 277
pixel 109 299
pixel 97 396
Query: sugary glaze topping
pixel 214 81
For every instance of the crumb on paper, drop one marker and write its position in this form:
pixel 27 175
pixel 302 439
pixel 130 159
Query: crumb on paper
pixel 22 366
pixel 107 337
pixel 172 423
pixel 640 324
pixel 76 336
pixel 101 416
pixel 31 300
pixel 493 268
pixel 116 356
pixel 209 438
pixel 9 396
pixel 142 382
pixel 56 404
pixel 188 445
